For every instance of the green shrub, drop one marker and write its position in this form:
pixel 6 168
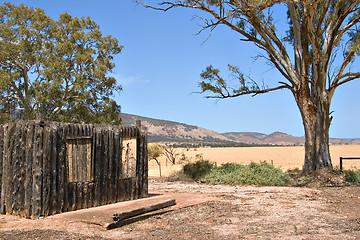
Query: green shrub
pixel 258 174
pixel 352 176
pixel 198 169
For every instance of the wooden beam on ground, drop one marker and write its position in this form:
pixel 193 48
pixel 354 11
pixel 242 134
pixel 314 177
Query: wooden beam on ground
pixel 139 211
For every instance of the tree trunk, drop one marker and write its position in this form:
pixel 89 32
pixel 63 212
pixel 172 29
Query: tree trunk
pixel 158 163
pixel 316 120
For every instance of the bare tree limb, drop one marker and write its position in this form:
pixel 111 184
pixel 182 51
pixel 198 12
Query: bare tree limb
pixel 345 78
pixel 250 92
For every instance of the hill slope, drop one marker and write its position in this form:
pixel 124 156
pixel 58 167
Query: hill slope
pixel 276 138
pixel 169 131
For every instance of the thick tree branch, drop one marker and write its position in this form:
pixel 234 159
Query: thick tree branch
pixel 349 8
pixel 226 94
pixel 334 32
pixel 296 21
pixel 342 68
pixel 344 79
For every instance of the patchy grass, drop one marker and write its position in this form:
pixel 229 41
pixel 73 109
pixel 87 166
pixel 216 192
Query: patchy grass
pixel 263 174
pixel 352 176
pixel 198 169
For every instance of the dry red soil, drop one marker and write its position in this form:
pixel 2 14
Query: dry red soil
pixel 233 212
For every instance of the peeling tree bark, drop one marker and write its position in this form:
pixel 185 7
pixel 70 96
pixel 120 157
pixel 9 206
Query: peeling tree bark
pixel 316 122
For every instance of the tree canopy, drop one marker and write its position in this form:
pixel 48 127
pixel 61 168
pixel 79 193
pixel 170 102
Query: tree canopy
pixel 55 70
pixel 315 55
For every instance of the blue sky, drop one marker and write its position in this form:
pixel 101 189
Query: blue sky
pixel 160 65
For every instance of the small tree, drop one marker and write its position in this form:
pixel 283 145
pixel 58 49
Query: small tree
pixel 154 151
pixel 170 153
pixel 55 70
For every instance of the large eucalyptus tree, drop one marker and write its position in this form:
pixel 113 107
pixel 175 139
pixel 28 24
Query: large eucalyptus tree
pixel 55 69
pixel 308 57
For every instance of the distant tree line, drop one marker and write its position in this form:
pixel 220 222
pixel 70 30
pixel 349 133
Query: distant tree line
pixel 181 144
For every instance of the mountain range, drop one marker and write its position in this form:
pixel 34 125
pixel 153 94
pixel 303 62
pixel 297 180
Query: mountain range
pixel 184 134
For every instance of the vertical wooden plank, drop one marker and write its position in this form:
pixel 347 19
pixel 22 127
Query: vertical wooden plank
pixel 88 156
pixel 91 185
pixel 72 196
pixel 98 171
pixel 23 169
pixel 70 158
pixel 72 186
pixel 104 161
pixel 62 177
pixel 91 194
pixel 15 169
pixel 79 194
pixel 108 164
pixel 82 159
pixel 80 154
pixel 5 165
pixel 139 166
pixel 86 130
pixel 111 163
pixel 145 167
pixel 124 189
pixel 37 173
pixel 142 175
pixel 54 173
pixel 2 137
pixel 30 143
pixel 134 185
pixel 9 200
pixel 75 131
pixel 120 191
pixel 75 128
pixel 127 189
pixel 46 165
pixel 117 161
pixel 121 162
pixel 86 196
pixel 61 159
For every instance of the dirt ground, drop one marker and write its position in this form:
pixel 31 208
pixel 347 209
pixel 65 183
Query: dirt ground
pixel 241 212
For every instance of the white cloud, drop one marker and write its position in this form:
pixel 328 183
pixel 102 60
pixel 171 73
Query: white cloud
pixel 124 80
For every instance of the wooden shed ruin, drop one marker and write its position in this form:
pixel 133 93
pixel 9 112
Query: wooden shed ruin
pixel 49 167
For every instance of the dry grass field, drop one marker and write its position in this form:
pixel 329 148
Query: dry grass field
pixel 283 157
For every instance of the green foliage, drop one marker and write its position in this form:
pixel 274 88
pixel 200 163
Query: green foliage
pixel 236 174
pixel 258 174
pixel 213 82
pixel 352 176
pixel 154 151
pixel 56 70
pixel 198 169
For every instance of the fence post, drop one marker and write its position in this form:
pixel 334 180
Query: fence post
pixel 341 163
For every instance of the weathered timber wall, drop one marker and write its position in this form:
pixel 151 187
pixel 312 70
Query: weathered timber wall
pixel 34 167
